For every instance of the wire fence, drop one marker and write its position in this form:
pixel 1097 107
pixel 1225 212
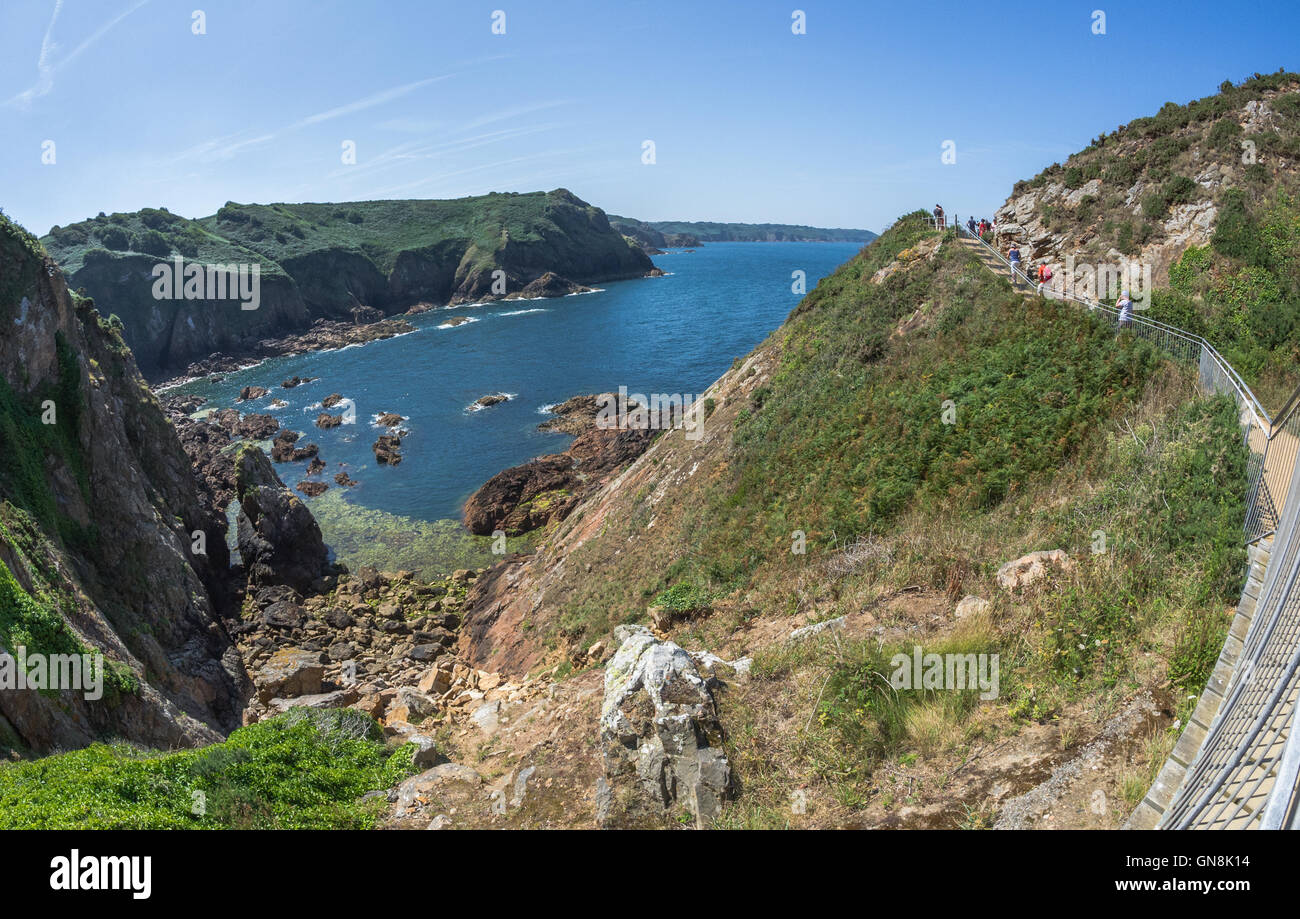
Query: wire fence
pixel 1246 771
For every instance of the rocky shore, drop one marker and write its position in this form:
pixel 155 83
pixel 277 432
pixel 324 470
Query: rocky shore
pixel 324 335
pixel 544 490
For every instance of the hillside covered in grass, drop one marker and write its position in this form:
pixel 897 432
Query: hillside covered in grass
pixel 1208 195
pixel 913 426
pixel 325 260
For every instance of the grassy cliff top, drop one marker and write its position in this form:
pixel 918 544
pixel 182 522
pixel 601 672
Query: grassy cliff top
pixel 277 232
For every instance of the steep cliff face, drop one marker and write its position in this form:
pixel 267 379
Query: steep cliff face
pixel 167 333
pixel 105 543
pixel 325 260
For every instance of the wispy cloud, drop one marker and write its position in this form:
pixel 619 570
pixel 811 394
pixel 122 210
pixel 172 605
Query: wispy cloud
pixel 371 101
pixel 481 167
pixel 405 153
pixel 231 145
pixel 46 64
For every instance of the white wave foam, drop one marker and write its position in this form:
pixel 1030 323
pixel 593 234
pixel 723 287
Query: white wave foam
pixel 456 325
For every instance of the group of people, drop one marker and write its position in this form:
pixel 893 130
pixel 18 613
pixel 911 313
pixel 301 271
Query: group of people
pixel 981 228
pixel 1043 273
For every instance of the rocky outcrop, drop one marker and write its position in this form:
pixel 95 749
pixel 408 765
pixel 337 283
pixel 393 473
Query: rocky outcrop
pixel 104 533
pixel 546 489
pixel 387 449
pixel 659 734
pixel 324 334
pixel 549 284
pixel 279 540
pixel 1110 204
pixel 524 497
pixel 257 427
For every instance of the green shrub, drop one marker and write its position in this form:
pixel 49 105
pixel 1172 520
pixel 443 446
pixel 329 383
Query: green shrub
pixel 1236 231
pixel 289 772
pixel 115 238
pixel 151 242
pixel 1224 134
pixel 683 598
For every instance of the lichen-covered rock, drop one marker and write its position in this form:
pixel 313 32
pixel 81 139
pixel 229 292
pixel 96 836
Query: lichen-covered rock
pixel 659 730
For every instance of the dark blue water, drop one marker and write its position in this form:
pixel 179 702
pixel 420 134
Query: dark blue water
pixel 675 334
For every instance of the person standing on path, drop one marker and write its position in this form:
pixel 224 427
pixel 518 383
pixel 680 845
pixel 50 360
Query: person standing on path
pixel 1014 258
pixel 1125 311
pixel 938 217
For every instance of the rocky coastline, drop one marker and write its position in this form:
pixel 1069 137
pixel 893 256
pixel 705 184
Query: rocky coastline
pixel 324 335
pixel 546 489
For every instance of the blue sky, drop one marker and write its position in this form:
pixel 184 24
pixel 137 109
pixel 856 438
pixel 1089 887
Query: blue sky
pixel 841 126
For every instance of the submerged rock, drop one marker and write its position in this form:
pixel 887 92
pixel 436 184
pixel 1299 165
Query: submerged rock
pixel 491 399
pixel 386 449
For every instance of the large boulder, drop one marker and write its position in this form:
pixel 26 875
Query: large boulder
pixel 290 672
pixel 279 540
pixel 659 731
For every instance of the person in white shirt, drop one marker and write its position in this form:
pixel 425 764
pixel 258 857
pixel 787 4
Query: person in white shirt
pixel 1125 311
